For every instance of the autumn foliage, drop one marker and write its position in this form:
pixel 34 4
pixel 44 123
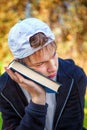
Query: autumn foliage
pixel 68 20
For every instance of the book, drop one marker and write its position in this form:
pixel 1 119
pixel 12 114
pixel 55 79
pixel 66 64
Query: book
pixel 29 73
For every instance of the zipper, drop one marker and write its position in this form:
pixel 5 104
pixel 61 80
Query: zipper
pixel 64 104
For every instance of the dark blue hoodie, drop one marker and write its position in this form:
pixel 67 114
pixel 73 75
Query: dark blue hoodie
pixel 17 114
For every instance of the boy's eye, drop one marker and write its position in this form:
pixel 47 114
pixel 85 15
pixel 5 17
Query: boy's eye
pixel 39 64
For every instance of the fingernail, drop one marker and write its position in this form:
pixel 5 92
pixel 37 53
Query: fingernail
pixel 6 68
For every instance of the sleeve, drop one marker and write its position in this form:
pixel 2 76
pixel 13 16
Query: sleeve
pixel 33 119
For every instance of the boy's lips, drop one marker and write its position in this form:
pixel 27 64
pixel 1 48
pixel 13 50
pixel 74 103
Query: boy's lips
pixel 52 76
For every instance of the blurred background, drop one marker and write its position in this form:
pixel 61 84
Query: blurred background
pixel 67 19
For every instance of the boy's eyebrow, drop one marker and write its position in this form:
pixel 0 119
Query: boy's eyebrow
pixel 45 61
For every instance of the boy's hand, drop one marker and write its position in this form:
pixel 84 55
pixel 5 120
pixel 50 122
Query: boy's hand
pixel 38 93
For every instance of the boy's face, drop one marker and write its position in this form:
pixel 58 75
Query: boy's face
pixel 44 61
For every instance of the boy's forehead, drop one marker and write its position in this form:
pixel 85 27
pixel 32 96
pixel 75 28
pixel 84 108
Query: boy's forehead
pixel 40 56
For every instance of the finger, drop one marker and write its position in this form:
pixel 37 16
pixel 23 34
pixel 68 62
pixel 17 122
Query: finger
pixel 29 85
pixel 24 82
pixel 20 77
pixel 11 73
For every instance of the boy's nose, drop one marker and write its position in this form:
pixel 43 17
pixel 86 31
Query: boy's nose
pixel 52 67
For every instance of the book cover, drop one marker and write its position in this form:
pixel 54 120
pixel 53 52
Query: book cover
pixel 49 85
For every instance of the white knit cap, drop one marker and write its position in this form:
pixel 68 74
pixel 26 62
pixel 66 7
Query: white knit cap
pixel 20 33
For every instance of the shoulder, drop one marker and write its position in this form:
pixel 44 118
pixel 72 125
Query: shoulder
pixel 71 69
pixel 68 65
pixel 66 62
pixel 5 81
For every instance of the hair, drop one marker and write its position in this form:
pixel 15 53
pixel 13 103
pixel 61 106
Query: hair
pixel 39 39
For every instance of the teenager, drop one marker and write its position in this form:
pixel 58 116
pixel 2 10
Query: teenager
pixel 26 105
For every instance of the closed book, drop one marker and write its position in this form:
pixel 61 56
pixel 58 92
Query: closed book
pixel 29 73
